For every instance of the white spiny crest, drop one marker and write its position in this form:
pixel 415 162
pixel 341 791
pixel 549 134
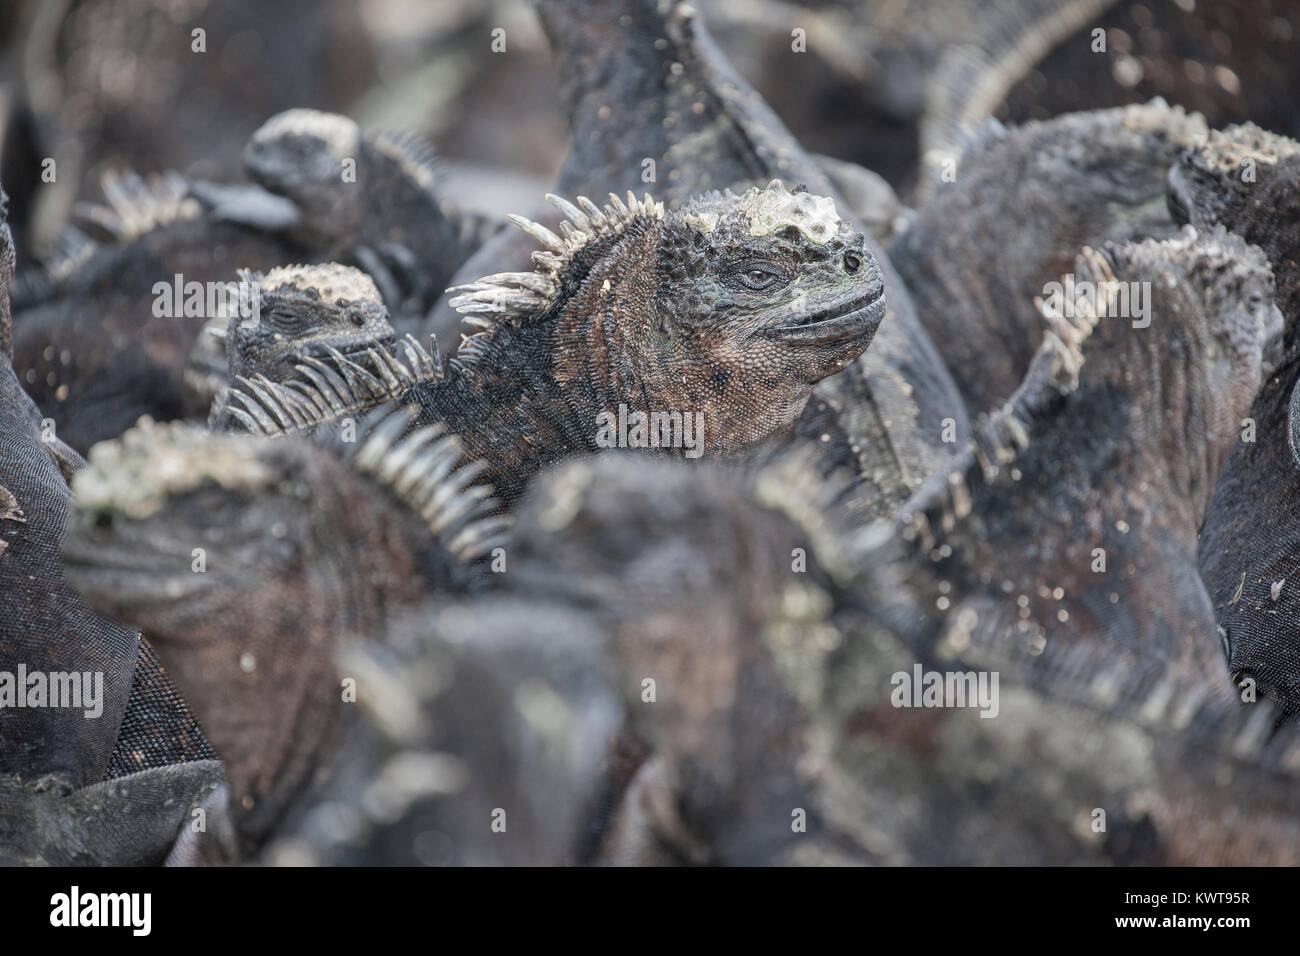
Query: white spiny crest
pixel 137 204
pixel 516 296
pixel 1001 437
pixel 327 389
pixel 425 468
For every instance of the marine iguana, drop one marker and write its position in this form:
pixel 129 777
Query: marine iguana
pixel 1248 180
pixel 717 319
pixel 318 330
pixel 1108 694
pixel 1024 201
pixel 301 544
pixel 646 82
pixel 729 309
pixel 371 198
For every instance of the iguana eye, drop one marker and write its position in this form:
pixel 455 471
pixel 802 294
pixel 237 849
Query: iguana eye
pixel 285 320
pixel 759 276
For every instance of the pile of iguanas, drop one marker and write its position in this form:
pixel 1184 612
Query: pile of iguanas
pixel 752 519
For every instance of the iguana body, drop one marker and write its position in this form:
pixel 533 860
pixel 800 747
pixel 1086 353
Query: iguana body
pixel 1249 181
pixel 372 198
pixel 726 311
pixel 1118 705
pixel 1022 203
pixel 307 545
pixel 652 85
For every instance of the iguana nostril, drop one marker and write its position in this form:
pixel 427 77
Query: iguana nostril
pixel 852 263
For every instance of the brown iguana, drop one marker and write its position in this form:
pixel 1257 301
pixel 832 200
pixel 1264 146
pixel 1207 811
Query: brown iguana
pixel 644 81
pixel 228 551
pixel 725 312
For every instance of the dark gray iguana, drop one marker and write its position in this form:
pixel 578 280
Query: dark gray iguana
pixel 1023 203
pixel 54 760
pixel 380 209
pixel 304 544
pixel 645 81
pixel 320 327
pixel 1248 180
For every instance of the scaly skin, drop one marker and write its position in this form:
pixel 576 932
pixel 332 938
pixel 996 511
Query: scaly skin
pixel 44 625
pixel 731 307
pixel 306 544
pixel 1249 181
pixel 645 81
pixel 1023 203
pixel 395 226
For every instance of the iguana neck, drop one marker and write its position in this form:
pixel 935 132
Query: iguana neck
pixel 522 396
pixel 652 67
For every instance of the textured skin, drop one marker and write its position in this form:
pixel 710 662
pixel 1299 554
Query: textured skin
pixel 128 362
pixel 139 820
pixel 1251 538
pixel 1023 203
pixel 389 219
pixel 706 128
pixel 44 625
pixel 658 312
pixel 1119 705
pixel 303 550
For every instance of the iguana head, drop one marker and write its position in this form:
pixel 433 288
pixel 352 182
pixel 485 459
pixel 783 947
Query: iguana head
pixel 300 154
pixel 307 311
pixel 731 306
pixel 339 179
pixel 1213 183
pixel 176 527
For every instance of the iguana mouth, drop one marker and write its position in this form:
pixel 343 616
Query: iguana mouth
pixel 848 320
